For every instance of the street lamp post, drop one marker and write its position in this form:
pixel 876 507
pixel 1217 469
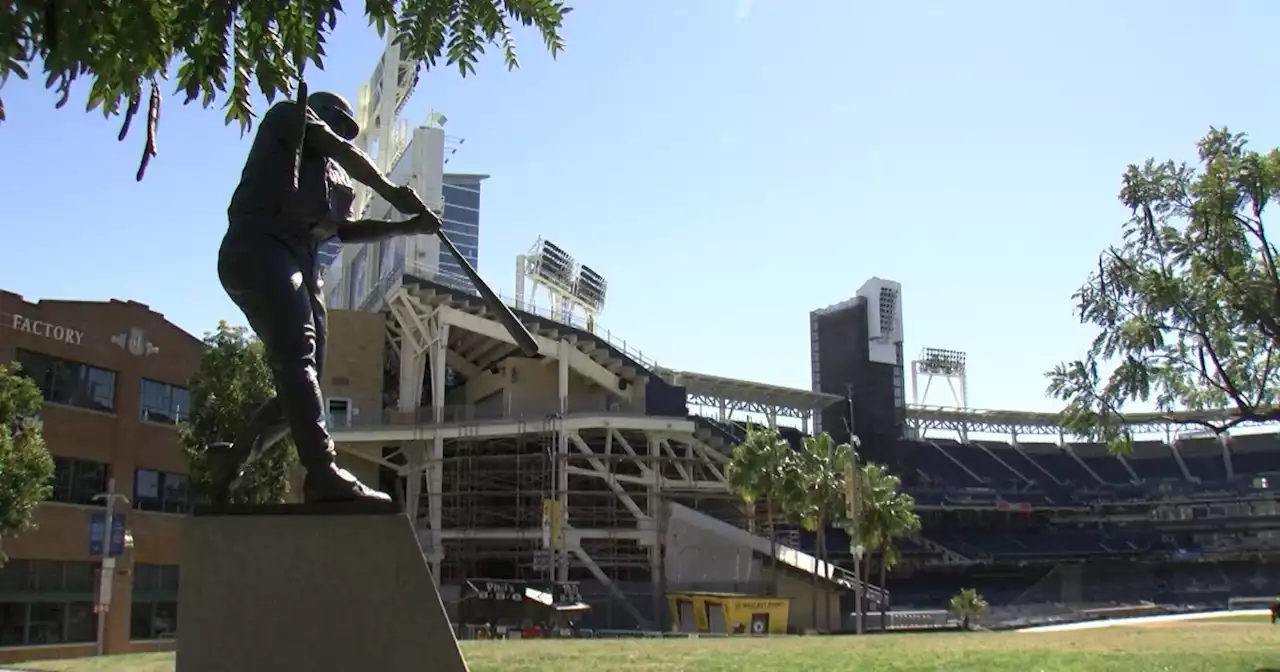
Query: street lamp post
pixel 854 496
pixel 110 497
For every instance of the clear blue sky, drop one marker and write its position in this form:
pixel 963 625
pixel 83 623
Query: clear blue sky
pixel 729 165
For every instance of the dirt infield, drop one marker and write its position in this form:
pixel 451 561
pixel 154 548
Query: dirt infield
pixel 1171 620
pixel 1191 623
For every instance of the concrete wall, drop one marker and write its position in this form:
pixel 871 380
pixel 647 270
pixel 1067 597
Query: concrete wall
pixel 533 389
pixel 353 367
pixel 515 387
pixel 696 560
pixel 522 387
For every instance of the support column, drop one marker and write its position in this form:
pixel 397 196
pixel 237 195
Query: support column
pixel 562 378
pixel 521 262
pixel 413 363
pixel 414 454
pixel 435 463
pixel 1225 439
pixel 657 578
pixel 561 554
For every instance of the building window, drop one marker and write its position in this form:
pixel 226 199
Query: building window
pixel 47 602
pixel 339 414
pixel 163 403
pixel 154 620
pixel 358 280
pixel 155 602
pixel 469 252
pixel 70 383
pixel 462 234
pixel 77 481
pixel 463 216
pixel 465 195
pixel 160 491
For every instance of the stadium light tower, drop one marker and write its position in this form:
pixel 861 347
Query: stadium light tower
pixel 569 285
pixel 379 102
pixel 937 363
pixel 386 137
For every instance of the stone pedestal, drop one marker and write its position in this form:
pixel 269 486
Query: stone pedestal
pixel 314 588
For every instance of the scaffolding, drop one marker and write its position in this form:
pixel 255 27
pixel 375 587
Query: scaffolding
pixel 567 506
pixel 563 488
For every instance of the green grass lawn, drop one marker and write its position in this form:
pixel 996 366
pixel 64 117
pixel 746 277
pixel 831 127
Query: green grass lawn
pixel 1197 646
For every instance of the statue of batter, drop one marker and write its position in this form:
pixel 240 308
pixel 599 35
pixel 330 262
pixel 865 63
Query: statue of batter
pixel 296 191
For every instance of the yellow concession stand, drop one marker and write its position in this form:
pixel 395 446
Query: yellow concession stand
pixel 728 613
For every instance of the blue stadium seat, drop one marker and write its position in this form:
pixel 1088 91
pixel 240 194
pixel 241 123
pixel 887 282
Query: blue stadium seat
pixel 936 462
pixel 1060 463
pixel 1204 459
pixel 1015 459
pixel 1253 454
pixel 1154 461
pixel 1098 457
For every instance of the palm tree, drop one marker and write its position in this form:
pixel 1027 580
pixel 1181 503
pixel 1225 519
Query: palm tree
pixel 885 515
pixel 967 604
pixel 755 474
pixel 814 481
pixel 889 558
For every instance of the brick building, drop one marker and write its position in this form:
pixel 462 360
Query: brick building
pixel 113 376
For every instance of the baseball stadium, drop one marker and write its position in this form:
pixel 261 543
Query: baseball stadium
pixel 599 473
pixel 595 476
pixel 580 491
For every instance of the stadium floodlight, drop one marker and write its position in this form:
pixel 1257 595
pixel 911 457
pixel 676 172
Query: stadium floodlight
pixel 938 362
pixel 590 288
pixel 572 287
pixel 949 365
pixel 554 266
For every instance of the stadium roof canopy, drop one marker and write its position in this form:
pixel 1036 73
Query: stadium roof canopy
pixel 1013 423
pixel 747 396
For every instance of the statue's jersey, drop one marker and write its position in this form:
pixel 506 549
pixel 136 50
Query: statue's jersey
pixel 342 193
pixel 266 200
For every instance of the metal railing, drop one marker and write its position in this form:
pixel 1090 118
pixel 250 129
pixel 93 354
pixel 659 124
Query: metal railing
pixel 463 414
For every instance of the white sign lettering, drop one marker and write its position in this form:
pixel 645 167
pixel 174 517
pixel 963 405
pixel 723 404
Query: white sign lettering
pixel 47 330
pixel 495 590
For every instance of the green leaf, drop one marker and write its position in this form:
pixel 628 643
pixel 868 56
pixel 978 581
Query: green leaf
pixel 219 49
pixel 26 468
pixel 232 381
pixel 1185 308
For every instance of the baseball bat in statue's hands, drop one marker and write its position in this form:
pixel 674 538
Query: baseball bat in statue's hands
pixel 501 311
pixel 407 201
pixel 427 222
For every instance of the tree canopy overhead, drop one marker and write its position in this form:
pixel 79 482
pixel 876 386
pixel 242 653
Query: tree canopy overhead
pixel 228 46
pixel 1187 307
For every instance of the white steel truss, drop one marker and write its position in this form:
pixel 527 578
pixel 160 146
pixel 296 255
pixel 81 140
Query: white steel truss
pixel 727 396
pixel 964 421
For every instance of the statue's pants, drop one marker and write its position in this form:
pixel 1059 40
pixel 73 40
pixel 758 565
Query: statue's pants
pixel 278 290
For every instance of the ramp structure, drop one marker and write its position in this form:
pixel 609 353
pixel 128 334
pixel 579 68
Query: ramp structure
pixel 322 588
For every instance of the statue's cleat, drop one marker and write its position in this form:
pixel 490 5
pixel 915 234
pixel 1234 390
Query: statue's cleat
pixel 226 464
pixel 237 477
pixel 335 484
